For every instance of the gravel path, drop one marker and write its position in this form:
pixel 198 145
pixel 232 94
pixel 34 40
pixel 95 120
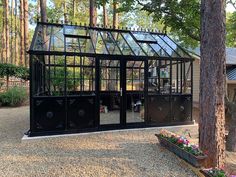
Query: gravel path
pixel 107 154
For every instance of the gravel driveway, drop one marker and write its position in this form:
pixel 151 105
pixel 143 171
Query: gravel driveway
pixel 106 154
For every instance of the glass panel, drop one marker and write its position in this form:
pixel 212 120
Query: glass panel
pixel 57 39
pixel 164 45
pixel 135 47
pixel 110 76
pixel 72 45
pixel 135 91
pixel 75 30
pixel 99 45
pixel 42 38
pixel 86 45
pixel 159 77
pixel 186 78
pixel 161 52
pixel 135 107
pixel 124 47
pixel 174 46
pixel 110 92
pixel 148 49
pixel 80 75
pixel 134 76
pixel 110 43
pixel 142 36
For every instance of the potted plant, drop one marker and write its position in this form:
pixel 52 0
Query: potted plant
pixel 182 147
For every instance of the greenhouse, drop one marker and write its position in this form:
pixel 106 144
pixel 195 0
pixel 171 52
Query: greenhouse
pixel 85 78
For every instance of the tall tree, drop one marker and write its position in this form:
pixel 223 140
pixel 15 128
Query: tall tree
pixel 104 11
pixel 12 31
pixel 212 82
pixel 26 30
pixel 16 34
pixel 3 52
pixel 43 10
pixel 22 33
pixel 92 13
pixel 115 14
pixel 7 30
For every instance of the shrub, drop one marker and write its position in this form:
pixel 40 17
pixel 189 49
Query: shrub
pixel 13 97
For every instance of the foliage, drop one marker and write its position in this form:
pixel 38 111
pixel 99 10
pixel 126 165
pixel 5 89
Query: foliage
pixel 57 77
pixel 180 18
pixel 215 172
pixel 231 30
pixel 182 142
pixel 13 97
pixel 8 70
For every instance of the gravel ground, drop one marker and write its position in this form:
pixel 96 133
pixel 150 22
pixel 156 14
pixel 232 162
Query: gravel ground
pixel 106 154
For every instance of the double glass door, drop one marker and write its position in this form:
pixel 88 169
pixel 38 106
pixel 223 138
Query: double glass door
pixel 121 99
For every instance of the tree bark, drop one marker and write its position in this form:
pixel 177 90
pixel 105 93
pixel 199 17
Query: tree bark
pixel 26 31
pixel 16 34
pixel 65 13
pixel 105 17
pixel 92 13
pixel 212 82
pixel 43 10
pixel 11 28
pixel 7 31
pixel 22 34
pixel 4 34
pixel 115 14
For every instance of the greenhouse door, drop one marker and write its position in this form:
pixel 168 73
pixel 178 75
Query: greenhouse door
pixel 110 99
pixel 121 99
pixel 134 91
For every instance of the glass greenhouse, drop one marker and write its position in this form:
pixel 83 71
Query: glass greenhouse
pixel 92 78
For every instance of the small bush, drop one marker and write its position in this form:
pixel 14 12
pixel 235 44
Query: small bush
pixel 15 96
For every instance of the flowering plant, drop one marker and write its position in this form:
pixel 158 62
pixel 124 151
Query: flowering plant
pixel 181 142
pixel 215 172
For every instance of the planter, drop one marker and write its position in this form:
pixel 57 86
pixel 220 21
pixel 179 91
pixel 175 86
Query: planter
pixel 196 161
pixel 205 173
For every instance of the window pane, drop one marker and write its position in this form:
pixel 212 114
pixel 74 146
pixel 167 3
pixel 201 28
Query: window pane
pixel 142 36
pixel 57 39
pixel 75 30
pixel 164 45
pixel 135 47
pixel 99 45
pixel 42 38
pixel 174 46
pixel 110 43
pixel 124 47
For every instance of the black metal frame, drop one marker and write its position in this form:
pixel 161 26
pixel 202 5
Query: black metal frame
pixel 158 64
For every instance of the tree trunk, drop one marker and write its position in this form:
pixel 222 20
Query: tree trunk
pixel 11 28
pixel 65 13
pixel 7 31
pixel 43 10
pixel 22 33
pixel 115 14
pixel 92 13
pixel 74 9
pixel 212 82
pixel 4 33
pixel 105 17
pixel 26 31
pixel 16 34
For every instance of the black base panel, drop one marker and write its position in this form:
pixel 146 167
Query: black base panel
pixel 106 128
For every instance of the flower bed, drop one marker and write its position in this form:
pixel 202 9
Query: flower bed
pixel 181 147
pixel 214 172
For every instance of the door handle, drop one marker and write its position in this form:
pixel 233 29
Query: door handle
pixel 121 92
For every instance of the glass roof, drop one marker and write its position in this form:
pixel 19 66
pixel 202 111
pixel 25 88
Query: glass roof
pixel 90 40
